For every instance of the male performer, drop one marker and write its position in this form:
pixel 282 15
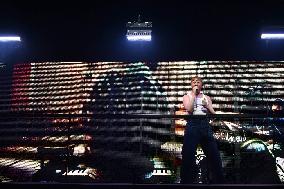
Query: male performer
pixel 198 131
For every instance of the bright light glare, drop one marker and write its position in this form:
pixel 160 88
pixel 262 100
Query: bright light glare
pixel 9 38
pixel 272 36
pixel 139 38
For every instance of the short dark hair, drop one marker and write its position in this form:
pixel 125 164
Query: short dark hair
pixel 195 77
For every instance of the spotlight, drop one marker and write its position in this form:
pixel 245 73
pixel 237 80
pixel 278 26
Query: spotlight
pixel 9 38
pixel 273 32
pixel 139 31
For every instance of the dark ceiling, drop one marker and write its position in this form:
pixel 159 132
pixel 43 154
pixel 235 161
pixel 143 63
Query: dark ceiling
pixel 182 30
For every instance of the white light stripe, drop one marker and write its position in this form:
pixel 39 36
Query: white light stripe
pixel 272 36
pixel 9 38
pixel 139 38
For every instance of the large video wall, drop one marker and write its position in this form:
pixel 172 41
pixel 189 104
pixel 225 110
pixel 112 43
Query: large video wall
pixel 92 148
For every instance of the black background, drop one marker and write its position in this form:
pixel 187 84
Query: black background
pixel 182 30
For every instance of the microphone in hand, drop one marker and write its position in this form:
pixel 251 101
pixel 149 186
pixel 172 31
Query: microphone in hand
pixel 195 89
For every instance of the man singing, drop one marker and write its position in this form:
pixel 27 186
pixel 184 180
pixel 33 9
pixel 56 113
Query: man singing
pixel 198 131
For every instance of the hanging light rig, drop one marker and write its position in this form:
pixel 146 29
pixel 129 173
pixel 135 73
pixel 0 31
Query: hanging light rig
pixel 139 31
pixel 273 33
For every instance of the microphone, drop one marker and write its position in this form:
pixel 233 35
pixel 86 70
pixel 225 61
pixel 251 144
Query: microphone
pixel 196 91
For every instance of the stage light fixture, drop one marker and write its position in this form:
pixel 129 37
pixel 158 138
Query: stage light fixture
pixel 139 31
pixel 9 38
pixel 272 36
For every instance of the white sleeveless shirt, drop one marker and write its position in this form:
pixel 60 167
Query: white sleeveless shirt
pixel 198 108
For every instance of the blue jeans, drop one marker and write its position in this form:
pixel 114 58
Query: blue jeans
pixel 200 132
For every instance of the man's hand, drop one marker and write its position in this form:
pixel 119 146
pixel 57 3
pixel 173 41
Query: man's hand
pixel 204 101
pixel 192 95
